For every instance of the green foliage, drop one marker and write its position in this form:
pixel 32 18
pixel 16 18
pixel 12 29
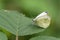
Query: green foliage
pixel 3 36
pixel 44 38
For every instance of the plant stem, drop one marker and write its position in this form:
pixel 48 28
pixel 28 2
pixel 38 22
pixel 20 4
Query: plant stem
pixel 17 36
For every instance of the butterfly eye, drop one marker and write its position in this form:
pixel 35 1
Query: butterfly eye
pixel 42 20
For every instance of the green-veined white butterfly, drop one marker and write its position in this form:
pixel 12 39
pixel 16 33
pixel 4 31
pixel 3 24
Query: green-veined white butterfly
pixel 42 20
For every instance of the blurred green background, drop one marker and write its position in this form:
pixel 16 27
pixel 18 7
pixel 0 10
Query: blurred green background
pixel 31 8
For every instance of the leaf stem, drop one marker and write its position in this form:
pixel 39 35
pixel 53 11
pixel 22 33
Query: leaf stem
pixel 17 36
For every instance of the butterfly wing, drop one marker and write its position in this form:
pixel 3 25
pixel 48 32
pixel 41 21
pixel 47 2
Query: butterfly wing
pixel 42 20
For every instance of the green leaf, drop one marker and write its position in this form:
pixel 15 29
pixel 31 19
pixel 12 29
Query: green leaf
pixel 15 22
pixel 44 38
pixel 3 36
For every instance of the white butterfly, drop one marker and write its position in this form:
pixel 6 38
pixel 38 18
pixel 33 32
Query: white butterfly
pixel 42 20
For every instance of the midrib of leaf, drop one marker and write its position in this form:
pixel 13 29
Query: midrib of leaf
pixel 17 27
